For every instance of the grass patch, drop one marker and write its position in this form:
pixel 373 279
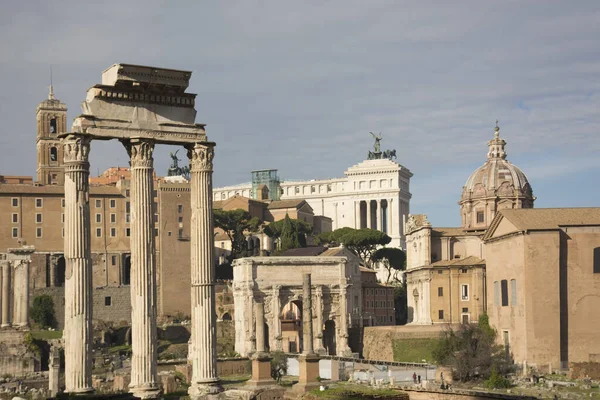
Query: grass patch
pixel 46 335
pixel 414 350
pixel 356 392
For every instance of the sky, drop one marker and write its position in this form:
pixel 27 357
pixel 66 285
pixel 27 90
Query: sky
pixel 298 86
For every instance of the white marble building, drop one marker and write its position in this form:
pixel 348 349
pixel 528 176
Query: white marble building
pixel 373 193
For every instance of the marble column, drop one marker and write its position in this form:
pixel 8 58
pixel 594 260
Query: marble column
pixel 357 215
pixel 144 380
pixel 204 340
pixel 379 214
pixel 21 294
pixel 368 208
pixel 342 344
pixel 276 309
pixel 390 225
pixel 78 334
pixel 307 323
pixel 259 311
pixel 319 320
pixel 5 293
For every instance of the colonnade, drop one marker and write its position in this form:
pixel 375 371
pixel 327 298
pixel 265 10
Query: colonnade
pixel 375 214
pixel 78 284
pixel 14 301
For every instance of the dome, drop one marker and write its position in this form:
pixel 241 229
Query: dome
pixel 497 184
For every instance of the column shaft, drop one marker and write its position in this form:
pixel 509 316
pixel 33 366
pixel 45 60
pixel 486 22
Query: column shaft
pixel 378 215
pixel 204 341
pixel 307 324
pixel 368 214
pixel 276 307
pixel 77 333
pixel 22 295
pixel 390 225
pixel 342 344
pixel 5 294
pixel 259 310
pixel 319 318
pixel 144 382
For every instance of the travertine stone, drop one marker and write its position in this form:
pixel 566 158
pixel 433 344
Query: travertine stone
pixel 276 307
pixel 259 311
pixel 78 275
pixel 204 341
pixel 342 346
pixel 307 324
pixel 5 294
pixel 21 294
pixel 54 371
pixel 319 308
pixel 144 380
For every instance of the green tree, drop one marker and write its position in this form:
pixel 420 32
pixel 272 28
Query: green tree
pixel 400 304
pixel 471 350
pixel 391 258
pixel 235 224
pixel 42 311
pixel 291 233
pixel 361 242
pixel 278 365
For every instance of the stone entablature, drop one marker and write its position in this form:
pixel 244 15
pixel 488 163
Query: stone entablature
pixel 277 282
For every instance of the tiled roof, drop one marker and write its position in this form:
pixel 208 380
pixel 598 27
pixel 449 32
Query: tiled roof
pixel 452 232
pixel 546 218
pixel 277 204
pixel 222 203
pixel 459 262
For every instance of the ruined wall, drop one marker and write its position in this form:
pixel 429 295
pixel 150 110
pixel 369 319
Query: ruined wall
pixel 378 340
pixel 460 395
pixel 584 370
pixel 15 358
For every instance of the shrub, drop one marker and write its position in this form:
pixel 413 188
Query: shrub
pixel 278 365
pixel 42 311
pixel 497 381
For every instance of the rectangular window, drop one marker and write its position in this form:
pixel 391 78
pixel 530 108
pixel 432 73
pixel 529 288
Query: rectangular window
pixel 15 218
pixel 179 208
pixel 113 260
pixel 180 219
pixel 113 203
pixel 596 260
pixel 98 232
pixel 513 292
pixel 113 218
pixel 127 192
pixel 98 203
pixel 38 232
pixel 155 232
pixel 441 315
pixel 62 218
pixel 465 309
pixel 127 206
pixel 98 218
pixel 463 270
pixel 15 232
pixel 15 202
pixel 62 202
pixel 440 291
pixel 63 232
pixel 128 232
pixel 480 219
pixel 113 232
pixel 127 218
pixel 39 203
pixel 496 293
pixel 504 287
pixel 107 301
pixel 464 292
pixel 38 218
pixel 156 218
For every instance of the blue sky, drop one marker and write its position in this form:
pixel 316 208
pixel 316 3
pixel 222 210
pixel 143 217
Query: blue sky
pixel 297 86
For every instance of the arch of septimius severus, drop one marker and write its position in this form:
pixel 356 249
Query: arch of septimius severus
pixel 140 106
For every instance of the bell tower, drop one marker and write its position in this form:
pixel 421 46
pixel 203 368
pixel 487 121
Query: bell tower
pixel 51 117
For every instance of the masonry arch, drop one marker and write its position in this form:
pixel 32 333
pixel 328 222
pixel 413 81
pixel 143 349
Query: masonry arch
pixel 329 338
pixel 291 326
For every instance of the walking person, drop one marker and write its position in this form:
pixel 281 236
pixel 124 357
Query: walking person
pixel 419 378
pixel 414 377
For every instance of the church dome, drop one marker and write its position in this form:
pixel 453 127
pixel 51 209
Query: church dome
pixel 496 185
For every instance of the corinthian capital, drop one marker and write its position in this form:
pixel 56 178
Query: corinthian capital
pixel 140 153
pixel 201 157
pixel 76 149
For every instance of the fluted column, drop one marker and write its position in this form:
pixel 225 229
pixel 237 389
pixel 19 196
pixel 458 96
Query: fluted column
pixel 342 344
pixel 77 332
pixel 378 215
pixel 390 225
pixel 368 214
pixel 144 382
pixel 5 293
pixel 307 323
pixel 204 341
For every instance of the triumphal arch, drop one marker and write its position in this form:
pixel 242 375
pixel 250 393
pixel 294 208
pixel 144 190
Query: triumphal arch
pixel 276 282
pixel 141 107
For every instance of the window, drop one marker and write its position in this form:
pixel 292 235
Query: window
pixel 15 202
pixel 113 232
pixel 98 218
pixel 127 192
pixel 113 218
pixel 38 218
pixel 38 232
pixel 63 232
pixel 98 232
pixel 107 301
pixel 156 218
pixel 15 232
pixel 127 206
pixel 179 208
pixel 504 287
pixel 440 272
pixel 62 203
pixel 128 232
pixel 465 309
pixel 113 203
pixel 180 219
pixel 15 218
pixel 156 232
pixel 480 218
pixel 39 203
pixel 513 292
pixel 53 125
pixel 113 260
pixel 98 203
pixel 464 292
pixel 463 270
pixel 312 189
pixel 53 154
pixel 596 260
pixel 496 293
pixel 297 190
pixel 441 315
pixel 440 291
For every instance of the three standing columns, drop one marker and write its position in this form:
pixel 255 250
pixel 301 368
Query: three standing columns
pixel 204 339
pixel 77 333
pixel 144 380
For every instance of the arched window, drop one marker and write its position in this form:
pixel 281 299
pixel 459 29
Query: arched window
pixel 53 126
pixel 126 270
pixel 53 154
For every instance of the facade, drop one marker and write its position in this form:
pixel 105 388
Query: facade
pixel 277 283
pixel 543 280
pixel 372 194
pixel 446 267
pixel 377 300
